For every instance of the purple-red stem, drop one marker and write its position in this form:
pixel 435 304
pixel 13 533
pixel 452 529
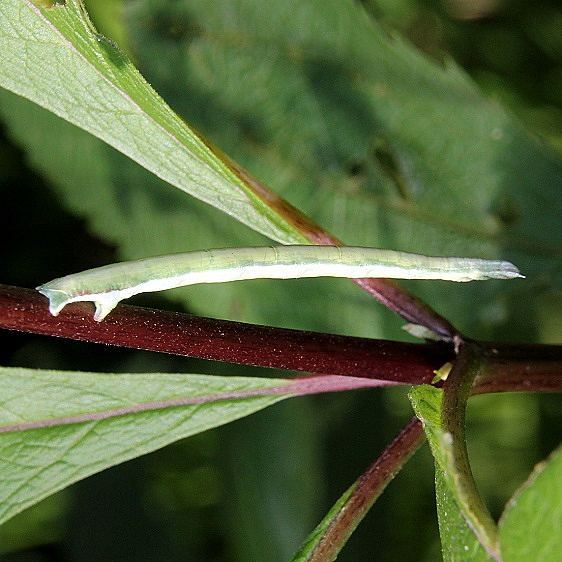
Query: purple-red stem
pixel 519 368
pixel 367 488
pixel 509 367
pixel 235 342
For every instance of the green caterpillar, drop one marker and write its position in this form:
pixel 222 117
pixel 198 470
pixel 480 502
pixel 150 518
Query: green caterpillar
pixel 106 286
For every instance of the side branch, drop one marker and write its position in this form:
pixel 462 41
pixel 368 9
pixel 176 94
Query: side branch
pixel 334 530
pixel 390 294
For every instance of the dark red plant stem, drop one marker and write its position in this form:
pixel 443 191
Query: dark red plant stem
pixel 509 367
pixel 519 367
pixel 366 489
pixel 408 306
pixel 182 334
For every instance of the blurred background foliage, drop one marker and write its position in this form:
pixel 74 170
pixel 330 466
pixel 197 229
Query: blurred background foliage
pixel 252 491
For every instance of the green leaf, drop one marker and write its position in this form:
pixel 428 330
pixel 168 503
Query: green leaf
pixel 458 540
pixel 531 523
pixel 35 463
pixel 57 427
pixel 458 543
pixel 54 56
pixel 375 141
pixel 126 206
pixel 427 402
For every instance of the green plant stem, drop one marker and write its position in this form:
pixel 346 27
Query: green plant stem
pixel 457 390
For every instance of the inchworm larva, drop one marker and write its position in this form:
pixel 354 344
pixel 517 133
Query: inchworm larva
pixel 106 286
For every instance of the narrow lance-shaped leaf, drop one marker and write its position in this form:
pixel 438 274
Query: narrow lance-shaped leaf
pixel 458 542
pixel 52 55
pixel 59 427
